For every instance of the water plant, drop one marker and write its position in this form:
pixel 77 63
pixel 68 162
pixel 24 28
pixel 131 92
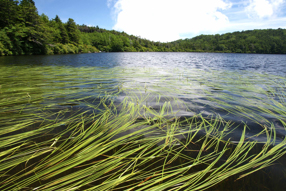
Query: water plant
pixel 99 129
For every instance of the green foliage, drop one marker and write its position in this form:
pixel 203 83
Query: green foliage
pixel 17 34
pixel 23 31
pixel 72 49
pixel 28 13
pixel 4 50
pixel 268 41
pixel 72 31
pixel 9 13
pixel 44 18
pixel 49 50
pixel 6 43
pixel 87 49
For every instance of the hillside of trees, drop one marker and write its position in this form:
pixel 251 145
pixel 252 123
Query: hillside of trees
pixel 267 41
pixel 24 32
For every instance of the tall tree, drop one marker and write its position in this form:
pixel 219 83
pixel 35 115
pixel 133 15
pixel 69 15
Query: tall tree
pixel 63 31
pixel 29 13
pixel 8 12
pixel 72 30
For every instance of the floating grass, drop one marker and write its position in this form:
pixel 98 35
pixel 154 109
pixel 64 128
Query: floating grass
pixel 136 129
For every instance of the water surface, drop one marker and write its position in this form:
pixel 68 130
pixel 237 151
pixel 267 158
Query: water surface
pixel 245 90
pixel 204 83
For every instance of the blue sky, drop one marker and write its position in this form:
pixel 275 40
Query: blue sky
pixel 168 20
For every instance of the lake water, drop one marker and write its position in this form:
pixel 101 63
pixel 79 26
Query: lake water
pixel 197 79
pixel 194 78
pixel 258 63
pixel 241 88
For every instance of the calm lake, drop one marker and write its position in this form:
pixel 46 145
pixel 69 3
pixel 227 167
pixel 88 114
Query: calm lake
pixel 245 89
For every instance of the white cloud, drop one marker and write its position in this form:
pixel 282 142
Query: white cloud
pixel 109 3
pixel 166 20
pixel 263 8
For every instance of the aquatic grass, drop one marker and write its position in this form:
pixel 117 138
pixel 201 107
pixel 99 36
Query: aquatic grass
pixel 109 129
pixel 70 177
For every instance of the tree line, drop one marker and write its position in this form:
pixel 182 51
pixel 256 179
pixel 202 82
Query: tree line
pixel 24 32
pixel 267 41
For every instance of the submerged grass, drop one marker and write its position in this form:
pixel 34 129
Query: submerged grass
pixel 136 129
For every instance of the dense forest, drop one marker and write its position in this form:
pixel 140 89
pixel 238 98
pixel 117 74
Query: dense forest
pixel 24 32
pixel 268 41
